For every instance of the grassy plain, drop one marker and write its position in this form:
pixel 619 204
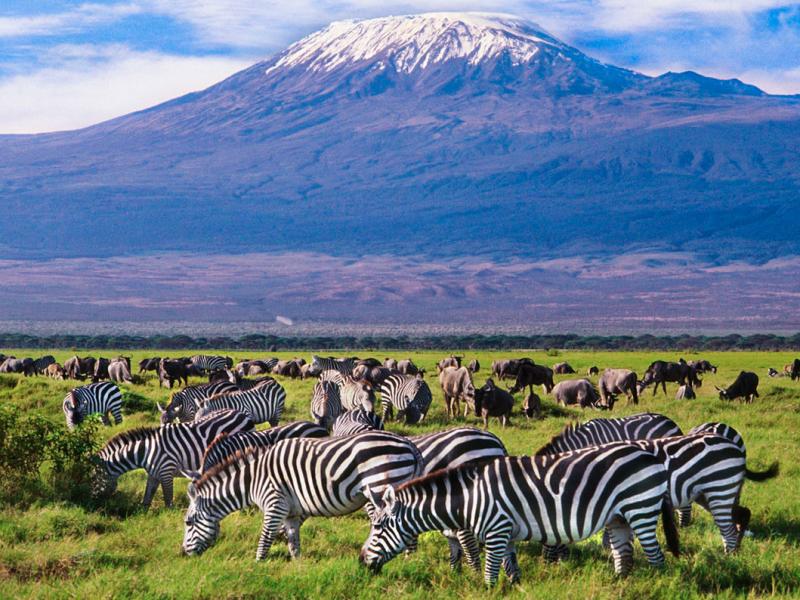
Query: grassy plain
pixel 60 550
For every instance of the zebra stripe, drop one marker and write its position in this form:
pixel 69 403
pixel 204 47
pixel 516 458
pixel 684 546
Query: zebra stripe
pixel 409 394
pixel 206 363
pixel 96 398
pixel 344 366
pixel 357 394
pixel 264 403
pixel 183 405
pixel 722 429
pixel 164 451
pixel 552 499
pixel 226 445
pixel 355 421
pixel 331 375
pixel 326 404
pixel 296 479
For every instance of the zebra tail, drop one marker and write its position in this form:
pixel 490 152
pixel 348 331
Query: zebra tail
pixel 670 528
pixel 773 471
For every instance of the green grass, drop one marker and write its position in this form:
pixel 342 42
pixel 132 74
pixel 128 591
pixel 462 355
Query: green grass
pixel 58 550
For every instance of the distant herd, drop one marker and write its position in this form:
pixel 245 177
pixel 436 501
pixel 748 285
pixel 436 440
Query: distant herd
pixel 618 476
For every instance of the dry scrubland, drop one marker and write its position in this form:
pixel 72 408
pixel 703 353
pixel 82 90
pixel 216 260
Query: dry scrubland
pixel 61 550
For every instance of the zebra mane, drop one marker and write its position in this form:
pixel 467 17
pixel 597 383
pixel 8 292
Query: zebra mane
pixel 216 396
pixel 566 433
pixel 216 469
pixel 446 473
pixel 131 435
pixel 217 440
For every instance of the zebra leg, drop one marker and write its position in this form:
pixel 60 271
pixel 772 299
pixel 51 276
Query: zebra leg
pixel 455 552
pixel 275 513
pixel 412 546
pixel 166 487
pixel 645 530
pixel 292 528
pixel 472 550
pixel 620 536
pixel 510 564
pixel 606 539
pixel 554 553
pixel 497 542
pixel 106 420
pixel 685 516
pixel 117 414
pixel 722 512
pixel 150 490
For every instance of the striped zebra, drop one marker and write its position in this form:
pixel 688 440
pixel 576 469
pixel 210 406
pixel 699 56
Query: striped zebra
pixel 344 366
pixel 722 429
pixel 326 404
pixel 357 394
pixel 293 480
pixel 263 404
pixel 409 394
pixel 551 499
pixel 96 398
pixel 208 364
pixel 183 405
pixel 226 445
pixel 164 451
pixel 351 422
pixel 331 375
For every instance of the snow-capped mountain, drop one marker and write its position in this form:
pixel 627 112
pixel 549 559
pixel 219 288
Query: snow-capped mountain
pixel 427 134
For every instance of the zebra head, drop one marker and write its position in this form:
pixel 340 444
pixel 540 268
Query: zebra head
pixel 202 529
pixel 174 410
pixel 387 537
pixel 72 410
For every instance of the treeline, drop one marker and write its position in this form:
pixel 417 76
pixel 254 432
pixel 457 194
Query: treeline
pixel 443 342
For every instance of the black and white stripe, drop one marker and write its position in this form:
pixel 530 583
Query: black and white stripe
pixel 296 479
pixel 551 499
pixel 326 404
pixel 722 429
pixel 357 393
pixel 351 422
pixel 183 405
pixel 165 451
pixel 409 395
pixel 225 446
pixel 207 364
pixel 96 398
pixel 264 404
pixel 344 366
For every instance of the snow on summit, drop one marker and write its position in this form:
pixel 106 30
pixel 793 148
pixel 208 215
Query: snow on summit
pixel 417 41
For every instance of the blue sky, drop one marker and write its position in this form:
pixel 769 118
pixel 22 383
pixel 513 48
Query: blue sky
pixel 66 64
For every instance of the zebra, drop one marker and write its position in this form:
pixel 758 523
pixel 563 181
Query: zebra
pixel 357 394
pixel 355 421
pixel 409 394
pixel 345 366
pixel 552 499
pixel 326 404
pixel 226 445
pixel 263 404
pixel 184 404
pixel 163 452
pixel 96 398
pixel 293 480
pixel 205 363
pixel 709 469
pixel 721 429
pixel 332 375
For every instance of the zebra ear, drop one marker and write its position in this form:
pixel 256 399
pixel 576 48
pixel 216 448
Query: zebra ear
pixel 370 496
pixel 191 491
pixel 389 497
pixel 161 410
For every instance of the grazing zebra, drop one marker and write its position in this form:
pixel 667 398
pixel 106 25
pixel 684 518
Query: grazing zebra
pixel 263 404
pixel 357 394
pixel 296 479
pixel 721 429
pixel 96 398
pixel 552 499
pixel 226 445
pixel 355 421
pixel 409 394
pixel 331 375
pixel 164 451
pixel 326 404
pixel 345 366
pixel 183 405
pixel 205 363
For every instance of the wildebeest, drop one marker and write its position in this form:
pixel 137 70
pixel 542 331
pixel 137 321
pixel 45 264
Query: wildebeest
pixel 474 366
pixel 660 372
pixel 563 368
pixel 407 367
pixel 745 387
pixel 149 364
pixel 532 406
pixel 529 375
pixel 456 386
pixel 40 364
pixel 119 370
pixel 509 368
pixel 17 365
pixel 79 368
pixel 450 361
pixel 288 368
pixel 375 375
pixel 100 369
pixel 390 363
pixel 577 391
pixel 55 371
pixel 593 370
pixel 247 368
pixel 795 372
pixel 491 401
pixel 618 381
pixel 172 370
pixel 702 366
pixel 685 392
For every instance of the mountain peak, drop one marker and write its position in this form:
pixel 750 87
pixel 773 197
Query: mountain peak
pixel 412 42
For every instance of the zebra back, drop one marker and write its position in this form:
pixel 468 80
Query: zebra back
pixel 183 405
pixel 206 363
pixel 407 394
pixel 355 421
pixel 576 436
pixel 457 447
pixel 722 429
pixel 96 398
pixel 263 403
pixel 344 366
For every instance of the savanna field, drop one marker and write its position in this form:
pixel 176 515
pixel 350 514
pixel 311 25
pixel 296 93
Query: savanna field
pixel 70 549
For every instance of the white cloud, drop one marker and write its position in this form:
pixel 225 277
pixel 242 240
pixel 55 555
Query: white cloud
pixel 83 17
pixel 91 84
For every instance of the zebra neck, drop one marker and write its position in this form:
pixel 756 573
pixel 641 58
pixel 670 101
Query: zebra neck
pixel 130 457
pixel 424 515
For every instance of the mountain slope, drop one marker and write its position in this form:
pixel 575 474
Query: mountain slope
pixel 429 135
